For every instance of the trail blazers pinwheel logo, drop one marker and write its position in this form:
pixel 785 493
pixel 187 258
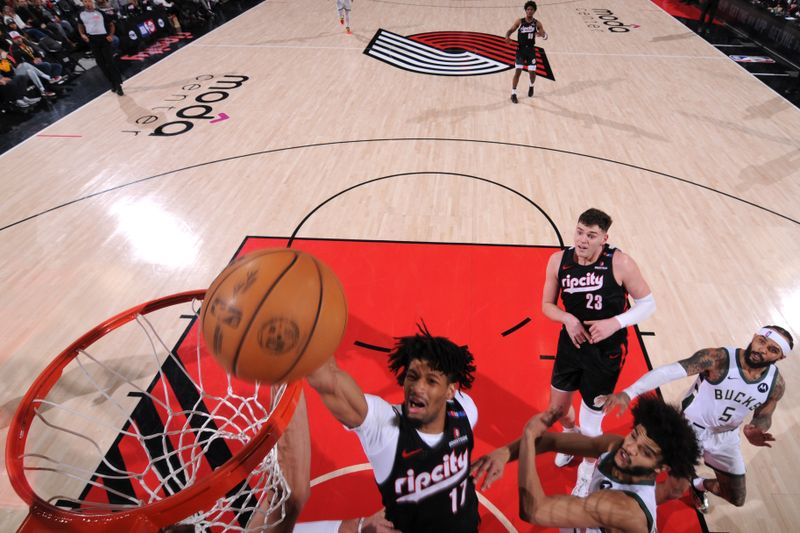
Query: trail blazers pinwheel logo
pixel 450 53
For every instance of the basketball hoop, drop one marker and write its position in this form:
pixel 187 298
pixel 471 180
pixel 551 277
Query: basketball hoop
pixel 212 463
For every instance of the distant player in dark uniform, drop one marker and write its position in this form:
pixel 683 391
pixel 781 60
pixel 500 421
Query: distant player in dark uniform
pixel 527 29
pixel 419 450
pixel 731 383
pixel 594 281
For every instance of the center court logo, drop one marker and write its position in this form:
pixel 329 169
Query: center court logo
pixel 450 53
pixel 604 20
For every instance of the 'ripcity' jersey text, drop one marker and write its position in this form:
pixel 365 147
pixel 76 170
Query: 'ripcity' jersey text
pixel 590 292
pixel 526 34
pixel 429 488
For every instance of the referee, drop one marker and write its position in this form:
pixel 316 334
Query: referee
pixel 97 29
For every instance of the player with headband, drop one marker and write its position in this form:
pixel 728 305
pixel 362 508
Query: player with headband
pixel 730 383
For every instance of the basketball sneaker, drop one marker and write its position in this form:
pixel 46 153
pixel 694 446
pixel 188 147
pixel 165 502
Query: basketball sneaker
pixel 514 98
pixel 585 471
pixel 530 91
pixel 347 31
pixel 563 459
pixel 700 499
pixel 341 21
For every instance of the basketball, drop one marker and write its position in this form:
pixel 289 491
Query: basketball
pixel 274 315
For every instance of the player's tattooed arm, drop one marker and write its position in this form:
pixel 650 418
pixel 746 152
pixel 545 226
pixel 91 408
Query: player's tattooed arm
pixel 762 416
pixel 708 361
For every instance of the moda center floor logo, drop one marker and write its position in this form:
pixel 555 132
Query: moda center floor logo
pixel 601 19
pixel 450 53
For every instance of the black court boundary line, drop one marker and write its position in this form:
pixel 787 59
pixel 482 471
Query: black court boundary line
pixel 398 139
pixel 441 173
pixel 289 240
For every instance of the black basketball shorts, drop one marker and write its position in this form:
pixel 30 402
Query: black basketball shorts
pixel 525 56
pixel 592 369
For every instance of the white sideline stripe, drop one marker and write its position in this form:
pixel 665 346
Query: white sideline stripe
pixel 496 512
pixel 646 56
pixel 483 500
pixel 340 472
pixel 293 47
pixel 549 53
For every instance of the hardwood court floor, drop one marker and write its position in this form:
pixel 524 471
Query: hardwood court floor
pixel 696 161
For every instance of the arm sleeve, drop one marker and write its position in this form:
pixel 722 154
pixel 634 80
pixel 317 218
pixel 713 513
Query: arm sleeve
pixel 655 378
pixel 641 311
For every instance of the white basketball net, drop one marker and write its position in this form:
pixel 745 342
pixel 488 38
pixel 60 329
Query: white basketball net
pixel 99 393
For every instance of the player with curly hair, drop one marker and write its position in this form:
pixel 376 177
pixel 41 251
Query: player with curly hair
pixel 622 487
pixel 419 450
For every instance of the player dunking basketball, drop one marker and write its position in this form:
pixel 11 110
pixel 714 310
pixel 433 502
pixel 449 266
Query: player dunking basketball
pixel 419 450
pixel 527 29
pixel 594 280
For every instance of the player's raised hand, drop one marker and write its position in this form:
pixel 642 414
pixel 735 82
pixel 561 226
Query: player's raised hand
pixel 602 329
pixel 757 436
pixel 577 333
pixel 377 523
pixel 611 401
pixel 492 465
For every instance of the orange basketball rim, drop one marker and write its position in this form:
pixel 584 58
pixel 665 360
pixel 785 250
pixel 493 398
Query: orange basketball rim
pixel 202 494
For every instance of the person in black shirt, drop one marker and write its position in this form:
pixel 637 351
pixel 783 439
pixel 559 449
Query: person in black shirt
pixel 527 29
pixel 98 29
pixel 593 280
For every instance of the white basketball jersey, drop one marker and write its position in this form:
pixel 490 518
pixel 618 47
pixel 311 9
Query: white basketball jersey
pixel 724 404
pixel 644 493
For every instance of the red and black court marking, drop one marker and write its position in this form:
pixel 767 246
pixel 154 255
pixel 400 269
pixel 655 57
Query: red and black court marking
pixel 484 296
pixel 451 53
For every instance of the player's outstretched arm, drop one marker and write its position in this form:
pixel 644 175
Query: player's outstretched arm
pixel 493 464
pixel 706 361
pixel 340 393
pixel 756 430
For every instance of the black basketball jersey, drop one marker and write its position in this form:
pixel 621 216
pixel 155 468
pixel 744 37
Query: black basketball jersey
pixel 526 34
pixel 590 292
pixel 429 489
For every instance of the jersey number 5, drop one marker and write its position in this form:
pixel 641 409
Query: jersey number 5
pixel 594 301
pixel 726 414
pixel 454 499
